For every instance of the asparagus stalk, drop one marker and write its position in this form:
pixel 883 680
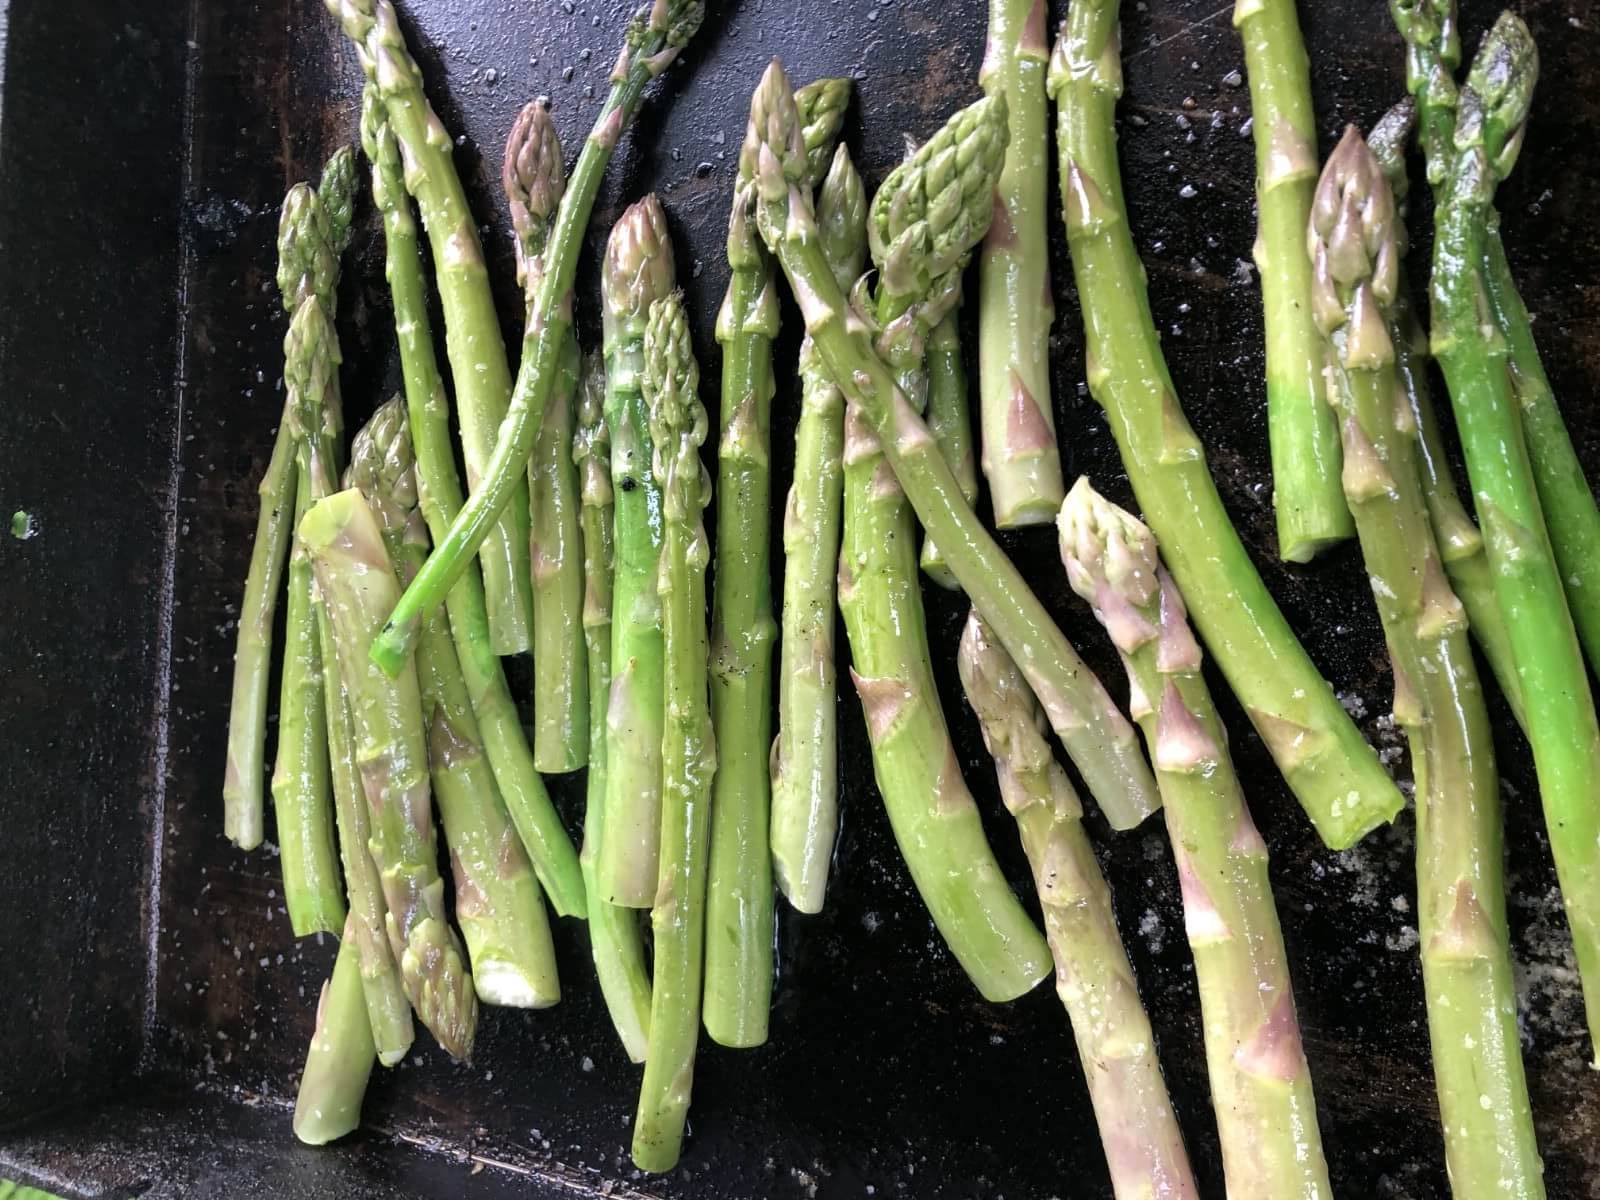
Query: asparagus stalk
pixel 615 943
pixel 356 579
pixel 339 1059
pixel 1097 736
pixel 1144 1147
pixel 678 423
pixel 472 330
pixel 1473 352
pixel 655 35
pixel 1331 769
pixel 805 782
pixel 536 820
pixel 951 424
pixel 1354 247
pixel 1015 310
pixel 534 176
pixel 498 905
pixel 1260 1083
pixel 636 272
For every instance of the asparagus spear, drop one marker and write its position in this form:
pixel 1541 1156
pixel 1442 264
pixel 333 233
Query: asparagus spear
pixel 1015 310
pixel 1354 247
pixel 1473 352
pixel 678 422
pixel 534 176
pixel 950 421
pixel 1097 737
pixel 536 820
pixel 1260 1083
pixel 655 35
pixel 356 579
pixel 805 784
pixel 339 1059
pixel 636 272
pixel 614 937
pixel 1144 1147
pixel 1333 772
pixel 472 330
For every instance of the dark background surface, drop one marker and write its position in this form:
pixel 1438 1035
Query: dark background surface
pixel 155 1008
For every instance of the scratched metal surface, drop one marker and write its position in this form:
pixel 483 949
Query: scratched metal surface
pixel 885 1074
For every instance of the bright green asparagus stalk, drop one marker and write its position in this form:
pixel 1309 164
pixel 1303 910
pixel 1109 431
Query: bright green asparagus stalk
pixel 655 35
pixel 534 177
pixel 614 936
pixel 1353 244
pixel 636 272
pixel 537 822
pixel 357 582
pixel 1097 736
pixel 805 778
pixel 950 420
pixel 1260 1083
pixel 339 1059
pixel 1473 352
pixel 1144 1147
pixel 678 426
pixel 498 904
pixel 1333 772
pixel 1015 309
pixel 1306 494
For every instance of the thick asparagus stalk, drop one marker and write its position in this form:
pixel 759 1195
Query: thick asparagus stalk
pixel 678 424
pixel 1333 772
pixel 1144 1147
pixel 536 820
pixel 357 583
pixel 1473 352
pixel 1354 248
pixel 950 420
pixel 636 272
pixel 1098 738
pixel 614 936
pixel 534 177
pixel 1260 1083
pixel 472 330
pixel 498 905
pixel 655 35
pixel 1015 309
pixel 805 782
pixel 339 1059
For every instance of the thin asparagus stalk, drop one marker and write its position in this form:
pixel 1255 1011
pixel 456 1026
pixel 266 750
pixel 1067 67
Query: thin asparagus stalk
pixel 1097 736
pixel 357 583
pixel 1015 309
pixel 615 943
pixel 678 425
pixel 805 782
pixel 1473 352
pixel 1260 1083
pixel 950 420
pixel 1331 769
pixel 498 904
pixel 1144 1147
pixel 534 177
pixel 339 1059
pixel 536 820
pixel 655 35
pixel 636 272
pixel 1354 247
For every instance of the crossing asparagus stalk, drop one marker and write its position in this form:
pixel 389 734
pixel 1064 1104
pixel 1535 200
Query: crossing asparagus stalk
pixel 1260 1083
pixel 1333 772
pixel 805 782
pixel 1097 737
pixel 615 942
pixel 1353 245
pixel 678 425
pixel 1144 1147
pixel 636 272
pixel 655 35
pixel 536 820
pixel 356 579
pixel 339 1059
pixel 1015 309
pixel 950 421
